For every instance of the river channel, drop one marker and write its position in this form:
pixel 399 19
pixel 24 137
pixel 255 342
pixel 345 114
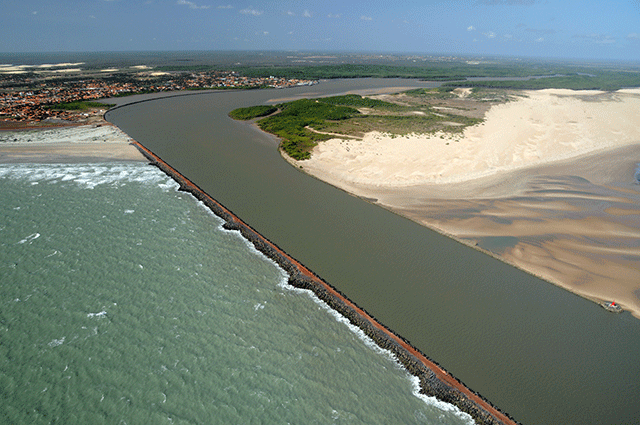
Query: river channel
pixel 539 353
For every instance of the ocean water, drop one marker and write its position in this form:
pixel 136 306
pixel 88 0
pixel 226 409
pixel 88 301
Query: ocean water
pixel 123 301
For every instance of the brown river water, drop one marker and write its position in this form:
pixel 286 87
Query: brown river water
pixel 539 353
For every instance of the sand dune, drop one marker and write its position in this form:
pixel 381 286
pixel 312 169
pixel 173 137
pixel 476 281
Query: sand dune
pixel 545 183
pixel 545 126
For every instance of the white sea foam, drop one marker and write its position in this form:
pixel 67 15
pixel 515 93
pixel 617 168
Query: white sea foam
pixel 56 342
pixel 30 238
pixel 88 175
pixel 432 401
pixel 98 315
pixel 81 134
pixel 284 284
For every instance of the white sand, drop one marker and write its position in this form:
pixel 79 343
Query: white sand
pixel 87 143
pixel 546 126
pixel 546 183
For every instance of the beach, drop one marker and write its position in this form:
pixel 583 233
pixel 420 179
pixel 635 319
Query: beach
pixel 73 144
pixel 546 183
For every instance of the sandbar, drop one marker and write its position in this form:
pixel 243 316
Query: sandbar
pixel 547 183
pixel 78 144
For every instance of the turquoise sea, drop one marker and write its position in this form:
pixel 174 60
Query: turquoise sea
pixel 122 300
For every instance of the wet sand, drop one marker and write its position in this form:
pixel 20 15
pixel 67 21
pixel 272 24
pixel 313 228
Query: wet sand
pixel 545 183
pixel 79 144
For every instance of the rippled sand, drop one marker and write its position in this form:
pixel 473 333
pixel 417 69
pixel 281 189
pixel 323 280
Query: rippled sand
pixel 546 183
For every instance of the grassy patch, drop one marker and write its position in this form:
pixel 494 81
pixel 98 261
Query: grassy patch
pixel 357 101
pixel 79 106
pixel 252 112
pixel 338 114
pixel 604 80
pixel 290 124
pixel 432 93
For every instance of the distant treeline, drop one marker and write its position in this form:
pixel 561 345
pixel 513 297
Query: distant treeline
pixel 608 81
pixel 80 105
pixel 456 73
pixel 435 71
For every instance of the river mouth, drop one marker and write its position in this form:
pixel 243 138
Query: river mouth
pixel 504 333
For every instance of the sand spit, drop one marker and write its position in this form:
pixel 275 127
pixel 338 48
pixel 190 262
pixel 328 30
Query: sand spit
pixel 434 380
pixel 87 143
pixel 545 183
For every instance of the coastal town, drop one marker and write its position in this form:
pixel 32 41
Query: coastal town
pixel 39 101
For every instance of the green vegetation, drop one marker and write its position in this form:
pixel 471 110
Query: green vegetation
pixel 80 106
pixel 455 73
pixel 301 124
pixel 436 71
pixel 433 93
pixel 252 112
pixel 604 80
pixel 357 101
pixel 290 124
pixel 399 125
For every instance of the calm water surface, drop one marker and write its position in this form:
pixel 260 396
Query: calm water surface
pixel 536 351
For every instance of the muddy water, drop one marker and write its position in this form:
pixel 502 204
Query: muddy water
pixel 537 352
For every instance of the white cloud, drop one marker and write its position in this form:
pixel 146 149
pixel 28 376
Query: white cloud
pixel 539 40
pixel 471 28
pixel 225 7
pixel 290 13
pixel 490 34
pixel 596 38
pixel 633 36
pixel 366 18
pixel 191 4
pixel 306 14
pixel 336 16
pixel 251 11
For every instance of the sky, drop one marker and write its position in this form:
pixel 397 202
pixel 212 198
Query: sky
pixel 570 29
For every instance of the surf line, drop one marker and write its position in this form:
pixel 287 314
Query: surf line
pixel 434 380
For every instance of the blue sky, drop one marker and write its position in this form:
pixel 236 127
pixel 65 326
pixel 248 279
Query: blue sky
pixel 537 28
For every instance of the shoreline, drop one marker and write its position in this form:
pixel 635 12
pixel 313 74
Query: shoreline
pixel 70 144
pixel 566 216
pixel 434 380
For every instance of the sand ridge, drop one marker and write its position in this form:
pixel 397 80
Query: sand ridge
pixel 546 183
pixel 540 127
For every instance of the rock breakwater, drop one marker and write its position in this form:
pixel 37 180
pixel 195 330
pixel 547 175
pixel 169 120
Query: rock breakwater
pixel 434 380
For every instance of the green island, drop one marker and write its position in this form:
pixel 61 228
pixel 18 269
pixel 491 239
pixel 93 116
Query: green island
pixel 302 124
